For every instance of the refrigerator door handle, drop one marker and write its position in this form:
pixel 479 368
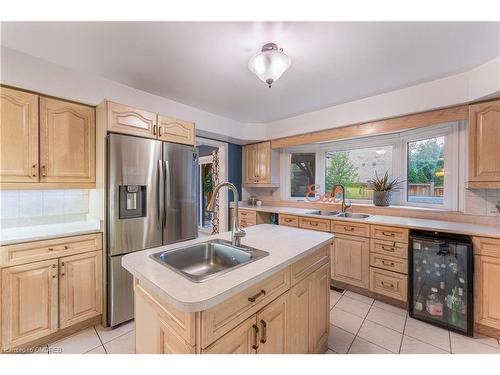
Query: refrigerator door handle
pixel 167 188
pixel 159 209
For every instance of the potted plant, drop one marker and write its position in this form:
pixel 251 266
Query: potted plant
pixel 383 188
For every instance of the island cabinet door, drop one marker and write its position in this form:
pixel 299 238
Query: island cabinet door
pixel 80 278
pixel 29 302
pixel 298 322
pixel 319 323
pixel 244 339
pixel 272 322
pixel 351 260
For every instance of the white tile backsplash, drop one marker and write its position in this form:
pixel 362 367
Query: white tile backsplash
pixel 482 202
pixel 29 204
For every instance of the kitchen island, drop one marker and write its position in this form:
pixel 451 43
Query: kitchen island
pixel 276 304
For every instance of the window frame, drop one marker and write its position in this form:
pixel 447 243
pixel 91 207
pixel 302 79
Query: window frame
pixel 398 141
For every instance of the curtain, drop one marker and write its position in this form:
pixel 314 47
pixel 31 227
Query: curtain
pixel 215 182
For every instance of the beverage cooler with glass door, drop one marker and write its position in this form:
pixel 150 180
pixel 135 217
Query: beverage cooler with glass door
pixel 441 280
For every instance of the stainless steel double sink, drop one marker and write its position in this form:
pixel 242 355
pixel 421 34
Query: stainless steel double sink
pixel 347 215
pixel 206 260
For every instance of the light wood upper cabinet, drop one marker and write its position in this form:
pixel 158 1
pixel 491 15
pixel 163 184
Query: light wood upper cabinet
pixel 67 141
pixel 80 287
pixel 487 291
pixel 351 260
pixel 18 136
pixel 128 120
pixel 29 302
pixel 484 145
pixel 260 165
pixel 272 321
pixel 174 130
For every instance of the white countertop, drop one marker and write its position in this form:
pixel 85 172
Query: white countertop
pixel 399 221
pixel 285 246
pixel 9 236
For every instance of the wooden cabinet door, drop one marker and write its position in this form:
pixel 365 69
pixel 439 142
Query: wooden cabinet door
pixel 299 317
pixel 272 321
pixel 319 324
pixel 487 291
pixel 264 162
pixel 250 167
pixel 351 260
pixel 18 136
pixel 29 302
pixel 484 142
pixel 67 141
pixel 80 287
pixel 241 340
pixel 174 130
pixel 128 120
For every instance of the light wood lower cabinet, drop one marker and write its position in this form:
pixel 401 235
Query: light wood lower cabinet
pixel 29 302
pixel 487 291
pixel 351 260
pixel 80 287
pixel 269 317
pixel 40 298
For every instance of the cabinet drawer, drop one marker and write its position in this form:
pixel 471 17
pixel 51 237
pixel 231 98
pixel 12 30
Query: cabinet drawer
pixel 389 233
pixel 220 319
pixel 391 248
pixel 249 215
pixel 486 246
pixel 315 224
pixel 307 265
pixel 247 223
pixel 351 228
pixel 289 220
pixel 389 263
pixel 41 250
pixel 390 284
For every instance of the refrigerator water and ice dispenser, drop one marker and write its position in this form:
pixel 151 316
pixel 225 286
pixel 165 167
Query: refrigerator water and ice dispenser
pixel 132 201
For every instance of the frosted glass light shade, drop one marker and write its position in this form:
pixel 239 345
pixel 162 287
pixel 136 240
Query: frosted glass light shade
pixel 269 65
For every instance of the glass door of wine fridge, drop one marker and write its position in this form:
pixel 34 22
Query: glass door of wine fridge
pixel 441 280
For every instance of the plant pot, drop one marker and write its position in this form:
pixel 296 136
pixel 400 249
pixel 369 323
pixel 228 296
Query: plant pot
pixel 382 198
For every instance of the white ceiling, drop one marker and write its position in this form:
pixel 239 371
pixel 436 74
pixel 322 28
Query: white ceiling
pixel 204 64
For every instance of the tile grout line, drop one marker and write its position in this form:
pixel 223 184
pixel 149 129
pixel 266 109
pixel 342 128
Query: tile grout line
pixel 97 333
pixel 359 329
pixel 403 335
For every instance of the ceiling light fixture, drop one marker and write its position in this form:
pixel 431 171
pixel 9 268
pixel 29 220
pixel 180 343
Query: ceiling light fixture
pixel 269 64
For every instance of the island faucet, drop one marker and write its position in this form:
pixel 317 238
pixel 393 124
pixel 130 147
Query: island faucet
pixel 344 205
pixel 236 231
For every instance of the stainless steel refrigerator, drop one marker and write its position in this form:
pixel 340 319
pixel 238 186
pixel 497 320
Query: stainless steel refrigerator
pixel 151 201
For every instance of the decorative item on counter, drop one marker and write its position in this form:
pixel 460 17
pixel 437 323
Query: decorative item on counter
pixel 259 203
pixel 383 188
pixel 252 201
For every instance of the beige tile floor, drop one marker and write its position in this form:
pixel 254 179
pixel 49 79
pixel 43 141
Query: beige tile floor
pixel 361 325
pixel 358 325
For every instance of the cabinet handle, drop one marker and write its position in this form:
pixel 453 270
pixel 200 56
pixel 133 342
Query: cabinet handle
pixel 159 131
pixel 263 338
pixel 63 269
pixel 44 171
pixel 50 249
pixel 255 337
pixel 288 220
pixel 313 224
pixel 254 298
pixel 349 229
pixel 387 285
pixel 33 170
pixel 385 263
pixel 54 271
pixel 154 129
pixel 391 249
pixel 388 234
pixel 66 247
